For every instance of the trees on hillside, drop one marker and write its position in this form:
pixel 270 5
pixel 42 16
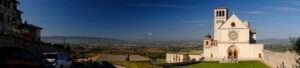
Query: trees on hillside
pixel 295 45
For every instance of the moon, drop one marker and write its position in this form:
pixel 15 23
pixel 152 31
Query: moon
pixel 149 33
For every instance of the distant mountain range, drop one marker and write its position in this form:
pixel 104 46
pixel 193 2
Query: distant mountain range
pixel 79 39
pixel 101 40
pixel 274 42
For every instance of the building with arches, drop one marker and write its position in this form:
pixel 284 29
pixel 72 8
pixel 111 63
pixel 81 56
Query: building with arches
pixel 233 39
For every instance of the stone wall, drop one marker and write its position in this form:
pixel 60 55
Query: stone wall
pixel 36 48
pixel 280 59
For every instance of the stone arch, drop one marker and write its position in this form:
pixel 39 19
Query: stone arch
pixel 233 51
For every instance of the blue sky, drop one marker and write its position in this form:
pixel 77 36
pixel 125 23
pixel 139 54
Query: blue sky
pixel 158 19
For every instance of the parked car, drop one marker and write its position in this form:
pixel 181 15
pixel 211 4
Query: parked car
pixel 56 60
pixel 12 57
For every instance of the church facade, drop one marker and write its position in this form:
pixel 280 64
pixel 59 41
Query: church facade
pixel 233 39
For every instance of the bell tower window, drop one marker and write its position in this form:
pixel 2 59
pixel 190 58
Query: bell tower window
pixel 217 13
pixel 222 13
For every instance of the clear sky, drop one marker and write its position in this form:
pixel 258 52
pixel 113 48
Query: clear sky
pixel 158 19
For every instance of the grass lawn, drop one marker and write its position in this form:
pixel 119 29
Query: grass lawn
pixel 242 64
pixel 132 64
pixel 160 60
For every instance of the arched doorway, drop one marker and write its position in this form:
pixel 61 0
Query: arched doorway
pixel 259 55
pixel 233 52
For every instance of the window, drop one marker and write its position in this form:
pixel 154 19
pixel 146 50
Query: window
pixel 5 2
pixel 217 13
pixel 14 6
pixel 8 5
pixel 1 17
pixel 206 42
pixel 223 13
pixel 7 19
pixel 232 24
pixel 1 1
pixel 259 55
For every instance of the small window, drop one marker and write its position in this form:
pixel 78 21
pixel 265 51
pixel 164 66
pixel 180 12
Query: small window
pixel 1 17
pixel 8 5
pixel 1 1
pixel 232 24
pixel 223 14
pixel 5 2
pixel 8 19
pixel 216 13
pixel 220 13
pixel 259 55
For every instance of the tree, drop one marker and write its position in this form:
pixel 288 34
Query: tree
pixel 292 44
pixel 297 46
pixel 68 48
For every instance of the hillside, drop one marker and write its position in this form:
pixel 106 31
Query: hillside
pixel 78 40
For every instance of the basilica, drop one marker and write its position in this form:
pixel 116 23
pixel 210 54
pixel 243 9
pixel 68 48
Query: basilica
pixel 232 39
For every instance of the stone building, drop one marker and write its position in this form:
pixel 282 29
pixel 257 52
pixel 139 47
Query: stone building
pixel 10 16
pixel 14 33
pixel 30 32
pixel 182 57
pixel 11 22
pixel 233 39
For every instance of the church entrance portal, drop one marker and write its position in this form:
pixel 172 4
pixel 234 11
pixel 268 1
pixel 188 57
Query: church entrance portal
pixel 232 52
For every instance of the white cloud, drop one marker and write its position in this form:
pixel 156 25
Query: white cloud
pixel 195 22
pixel 253 12
pixel 165 5
pixel 294 2
pixel 286 8
pixel 257 12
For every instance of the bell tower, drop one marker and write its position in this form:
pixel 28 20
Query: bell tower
pixel 220 16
